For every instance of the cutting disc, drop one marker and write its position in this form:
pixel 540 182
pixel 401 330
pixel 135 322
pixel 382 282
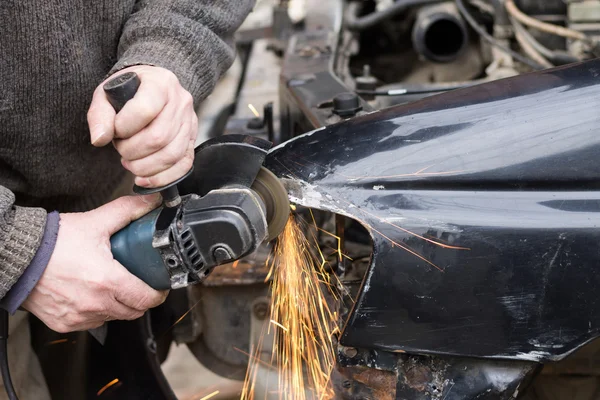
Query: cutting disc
pixel 274 195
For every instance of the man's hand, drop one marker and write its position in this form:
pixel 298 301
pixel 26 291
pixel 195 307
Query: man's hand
pixel 83 286
pixel 155 132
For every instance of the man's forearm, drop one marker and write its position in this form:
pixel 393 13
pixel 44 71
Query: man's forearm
pixel 191 38
pixel 22 288
pixel 21 231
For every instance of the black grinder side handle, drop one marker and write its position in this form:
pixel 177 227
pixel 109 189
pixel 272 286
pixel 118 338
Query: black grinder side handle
pixel 119 90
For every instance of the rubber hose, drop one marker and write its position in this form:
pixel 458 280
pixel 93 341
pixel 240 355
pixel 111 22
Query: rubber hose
pixel 355 23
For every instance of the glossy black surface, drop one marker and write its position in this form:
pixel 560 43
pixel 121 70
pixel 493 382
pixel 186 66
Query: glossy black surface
pixel 483 204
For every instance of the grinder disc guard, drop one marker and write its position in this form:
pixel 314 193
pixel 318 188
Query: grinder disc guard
pixel 214 169
pixel 271 191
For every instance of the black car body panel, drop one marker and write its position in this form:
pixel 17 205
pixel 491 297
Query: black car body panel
pixel 483 205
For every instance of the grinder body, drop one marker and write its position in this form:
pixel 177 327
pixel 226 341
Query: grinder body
pixel 174 247
pixel 132 248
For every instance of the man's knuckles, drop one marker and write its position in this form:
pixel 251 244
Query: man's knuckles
pixel 144 109
pixel 166 76
pixel 144 301
pixel 188 160
pixel 187 101
pixel 157 138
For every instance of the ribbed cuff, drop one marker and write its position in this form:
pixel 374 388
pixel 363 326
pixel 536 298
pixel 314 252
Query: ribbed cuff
pixel 25 284
pixel 177 59
pixel 20 243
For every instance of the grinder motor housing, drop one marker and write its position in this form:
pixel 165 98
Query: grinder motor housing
pixel 229 205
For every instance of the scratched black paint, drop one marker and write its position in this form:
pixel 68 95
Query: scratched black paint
pixel 507 170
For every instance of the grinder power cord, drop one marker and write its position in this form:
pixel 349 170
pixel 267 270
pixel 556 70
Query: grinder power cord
pixel 219 212
pixel 4 369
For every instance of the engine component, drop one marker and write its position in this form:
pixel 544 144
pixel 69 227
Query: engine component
pixel 542 7
pixel 346 105
pixel 440 34
pixel 584 17
pixel 355 23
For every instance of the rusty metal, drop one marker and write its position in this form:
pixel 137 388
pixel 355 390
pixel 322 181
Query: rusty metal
pixel 451 378
pixel 354 383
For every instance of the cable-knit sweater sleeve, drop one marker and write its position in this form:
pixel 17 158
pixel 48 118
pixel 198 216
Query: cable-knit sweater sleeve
pixel 192 38
pixel 21 232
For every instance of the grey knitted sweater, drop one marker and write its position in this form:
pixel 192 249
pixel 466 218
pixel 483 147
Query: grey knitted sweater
pixel 53 54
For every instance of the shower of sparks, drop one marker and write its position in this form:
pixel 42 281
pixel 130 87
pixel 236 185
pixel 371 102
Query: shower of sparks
pixel 303 349
pixel 108 385
pixel 254 110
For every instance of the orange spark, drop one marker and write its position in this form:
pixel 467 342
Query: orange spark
pixel 235 264
pixel 279 325
pixel 442 245
pixel 336 252
pixel 57 341
pixel 254 358
pixel 108 385
pixel 408 249
pixel 417 173
pixel 185 314
pixel 254 110
pixel 213 394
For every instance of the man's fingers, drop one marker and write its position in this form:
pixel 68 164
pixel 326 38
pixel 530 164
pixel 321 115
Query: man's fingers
pixel 162 159
pixel 152 138
pixel 134 293
pixel 87 326
pixel 169 175
pixel 101 119
pixel 119 213
pixel 148 102
pixel 120 311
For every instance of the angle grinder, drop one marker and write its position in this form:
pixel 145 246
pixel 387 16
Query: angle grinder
pixel 219 212
pixel 173 247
